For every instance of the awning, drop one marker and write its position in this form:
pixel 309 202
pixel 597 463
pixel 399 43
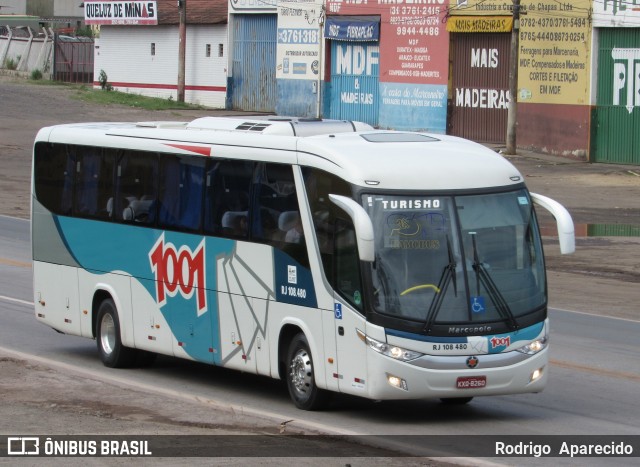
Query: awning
pixel 352 28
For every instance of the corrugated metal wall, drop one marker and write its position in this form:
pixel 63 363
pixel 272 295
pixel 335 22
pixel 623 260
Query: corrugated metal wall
pixel 616 124
pixel 613 230
pixel 73 61
pixel 355 90
pixel 480 81
pixel 253 80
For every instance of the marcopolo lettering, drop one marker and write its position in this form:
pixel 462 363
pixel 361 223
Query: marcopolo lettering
pixel 469 329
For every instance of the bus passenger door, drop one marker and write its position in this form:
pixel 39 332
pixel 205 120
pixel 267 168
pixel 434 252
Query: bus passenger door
pixel 244 294
pixel 150 325
pixel 237 331
pixel 351 351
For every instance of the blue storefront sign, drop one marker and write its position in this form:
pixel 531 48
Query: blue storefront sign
pixel 352 28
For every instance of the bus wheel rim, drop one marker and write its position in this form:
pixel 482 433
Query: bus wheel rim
pixel 107 334
pixel 301 372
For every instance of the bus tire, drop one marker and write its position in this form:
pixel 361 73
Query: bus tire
pixel 456 400
pixel 112 353
pixel 300 376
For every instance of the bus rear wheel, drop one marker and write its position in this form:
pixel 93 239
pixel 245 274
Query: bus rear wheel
pixel 112 353
pixel 301 384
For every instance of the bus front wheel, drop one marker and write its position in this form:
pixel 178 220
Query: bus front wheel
pixel 112 353
pixel 303 390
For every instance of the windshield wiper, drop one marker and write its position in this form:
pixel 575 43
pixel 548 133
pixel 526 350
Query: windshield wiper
pixel 448 275
pixel 483 277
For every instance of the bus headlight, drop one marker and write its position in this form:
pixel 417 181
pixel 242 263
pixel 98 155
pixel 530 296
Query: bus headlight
pixel 534 347
pixel 395 352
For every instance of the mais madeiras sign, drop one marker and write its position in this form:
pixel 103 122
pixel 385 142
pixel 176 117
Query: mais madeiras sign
pixel 125 13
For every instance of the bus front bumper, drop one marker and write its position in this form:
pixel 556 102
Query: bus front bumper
pixel 393 379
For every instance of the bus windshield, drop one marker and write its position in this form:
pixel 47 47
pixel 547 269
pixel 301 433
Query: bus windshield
pixel 456 259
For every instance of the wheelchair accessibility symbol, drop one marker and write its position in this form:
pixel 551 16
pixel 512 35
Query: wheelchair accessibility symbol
pixel 477 305
pixel 337 308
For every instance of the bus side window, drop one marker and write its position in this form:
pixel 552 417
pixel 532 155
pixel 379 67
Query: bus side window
pixel 275 214
pixel 136 187
pixel 226 202
pixel 55 168
pixel 94 181
pixel 347 274
pixel 319 184
pixel 180 200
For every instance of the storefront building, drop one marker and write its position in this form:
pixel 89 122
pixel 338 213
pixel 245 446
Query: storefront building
pixel 138 48
pixel 430 65
pixel 554 53
pixel 616 116
pixel 300 54
pixel 393 68
pixel 479 94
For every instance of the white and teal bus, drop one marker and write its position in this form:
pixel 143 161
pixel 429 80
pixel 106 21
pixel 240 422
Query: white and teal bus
pixel 382 264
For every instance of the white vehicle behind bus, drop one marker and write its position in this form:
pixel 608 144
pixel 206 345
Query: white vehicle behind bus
pixel 382 264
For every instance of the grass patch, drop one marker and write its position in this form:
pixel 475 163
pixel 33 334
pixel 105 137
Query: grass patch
pixel 98 96
pixel 11 64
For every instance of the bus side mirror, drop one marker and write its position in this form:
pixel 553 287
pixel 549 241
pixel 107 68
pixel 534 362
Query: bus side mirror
pixel 362 224
pixel 566 235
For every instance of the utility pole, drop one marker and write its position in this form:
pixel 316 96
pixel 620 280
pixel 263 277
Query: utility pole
pixel 320 62
pixel 182 46
pixel 513 80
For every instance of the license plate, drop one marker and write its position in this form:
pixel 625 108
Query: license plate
pixel 471 382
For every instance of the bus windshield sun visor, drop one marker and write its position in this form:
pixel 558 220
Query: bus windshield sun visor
pixel 353 28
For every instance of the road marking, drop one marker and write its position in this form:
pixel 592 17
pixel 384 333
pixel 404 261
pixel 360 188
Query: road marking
pixel 594 314
pixel 596 371
pixel 13 262
pixel 16 300
pixel 15 218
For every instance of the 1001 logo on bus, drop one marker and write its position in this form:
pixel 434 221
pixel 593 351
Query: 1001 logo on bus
pixel 179 271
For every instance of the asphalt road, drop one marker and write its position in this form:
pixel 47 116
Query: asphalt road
pixel 592 387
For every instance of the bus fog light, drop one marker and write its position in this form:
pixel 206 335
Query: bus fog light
pixel 397 382
pixel 536 375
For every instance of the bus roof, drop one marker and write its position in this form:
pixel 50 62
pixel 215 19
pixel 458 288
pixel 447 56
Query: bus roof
pixel 410 161
pixel 380 159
